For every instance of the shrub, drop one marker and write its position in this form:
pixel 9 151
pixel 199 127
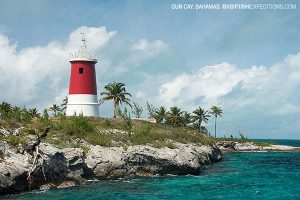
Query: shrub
pixel 127 122
pixel 85 150
pixel 15 140
pixel 107 123
pixel 81 125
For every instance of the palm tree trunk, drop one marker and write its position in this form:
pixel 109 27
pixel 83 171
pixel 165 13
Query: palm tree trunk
pixel 215 127
pixel 115 108
pixel 200 125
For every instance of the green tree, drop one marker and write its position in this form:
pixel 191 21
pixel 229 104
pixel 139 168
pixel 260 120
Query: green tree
pixel 125 115
pixel 186 119
pixel 151 110
pixel 16 113
pixel 216 111
pixel 204 130
pixel 55 109
pixel 5 110
pixel 26 116
pixel 45 116
pixel 200 115
pixel 117 93
pixel 64 104
pixel 33 112
pixel 137 110
pixel 160 114
pixel 174 116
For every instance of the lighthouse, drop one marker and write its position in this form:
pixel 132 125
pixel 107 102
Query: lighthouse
pixel 82 98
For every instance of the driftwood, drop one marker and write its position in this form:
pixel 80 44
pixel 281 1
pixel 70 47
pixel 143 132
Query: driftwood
pixel 37 156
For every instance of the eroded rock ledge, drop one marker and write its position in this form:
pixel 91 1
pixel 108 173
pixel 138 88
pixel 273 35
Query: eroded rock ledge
pixel 231 146
pixel 67 167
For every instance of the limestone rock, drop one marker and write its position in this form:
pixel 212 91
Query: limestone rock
pixel 106 162
pixel 58 168
pixel 250 146
pixel 13 171
pixel 75 163
pixel 281 148
pixel 247 146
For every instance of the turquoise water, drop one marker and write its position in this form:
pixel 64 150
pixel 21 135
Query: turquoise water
pixel 238 176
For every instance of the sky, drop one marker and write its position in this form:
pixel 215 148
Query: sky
pixel 245 61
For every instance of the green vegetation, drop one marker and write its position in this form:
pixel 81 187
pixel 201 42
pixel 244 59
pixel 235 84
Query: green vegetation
pixel 161 114
pixel 173 125
pixel 63 106
pixel 243 139
pixel 137 110
pixel 117 93
pixel 56 109
pixel 200 115
pixel 123 131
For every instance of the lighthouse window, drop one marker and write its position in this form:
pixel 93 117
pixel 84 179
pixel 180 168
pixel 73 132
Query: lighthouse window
pixel 80 70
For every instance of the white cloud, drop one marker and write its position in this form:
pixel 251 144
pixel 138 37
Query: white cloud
pixel 140 94
pixel 39 75
pixel 273 90
pixel 149 46
pixel 96 37
pixel 209 83
pixel 171 90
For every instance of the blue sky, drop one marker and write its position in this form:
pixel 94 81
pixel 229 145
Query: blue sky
pixel 245 61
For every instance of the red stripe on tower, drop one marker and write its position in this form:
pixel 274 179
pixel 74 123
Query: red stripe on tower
pixel 83 78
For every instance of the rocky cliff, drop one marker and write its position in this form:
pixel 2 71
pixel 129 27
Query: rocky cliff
pixel 23 169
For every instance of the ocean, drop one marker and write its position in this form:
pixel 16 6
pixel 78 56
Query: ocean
pixel 268 175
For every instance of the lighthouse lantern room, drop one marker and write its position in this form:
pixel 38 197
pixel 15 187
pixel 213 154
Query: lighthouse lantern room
pixel 82 97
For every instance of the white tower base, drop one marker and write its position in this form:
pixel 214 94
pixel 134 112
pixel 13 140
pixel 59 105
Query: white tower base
pixel 85 104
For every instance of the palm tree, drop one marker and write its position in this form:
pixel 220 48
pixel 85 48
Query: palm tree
pixel 216 111
pixel 174 116
pixel 200 115
pixel 117 93
pixel 55 108
pixel 33 112
pixel 25 115
pixel 160 114
pixel 187 118
pixel 5 109
pixel 64 104
pixel 17 114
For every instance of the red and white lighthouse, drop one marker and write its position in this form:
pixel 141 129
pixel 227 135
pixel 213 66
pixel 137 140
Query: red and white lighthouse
pixel 82 97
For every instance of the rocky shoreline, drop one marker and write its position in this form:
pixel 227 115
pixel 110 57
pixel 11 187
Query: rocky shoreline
pixel 231 146
pixel 23 169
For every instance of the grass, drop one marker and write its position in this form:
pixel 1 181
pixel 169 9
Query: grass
pixel 244 140
pixel 65 130
pixel 262 144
